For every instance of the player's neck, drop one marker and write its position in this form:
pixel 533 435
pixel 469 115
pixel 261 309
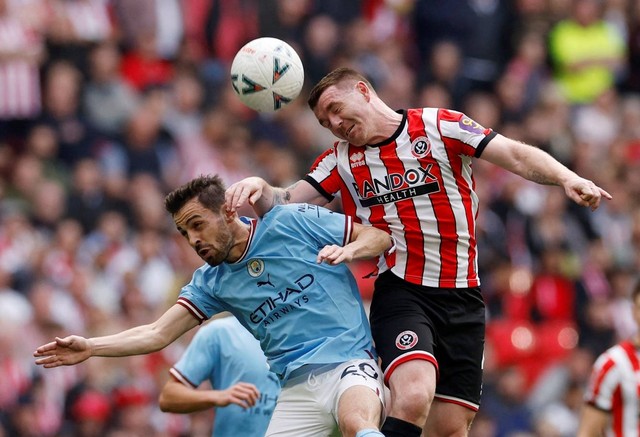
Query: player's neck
pixel 241 233
pixel 386 122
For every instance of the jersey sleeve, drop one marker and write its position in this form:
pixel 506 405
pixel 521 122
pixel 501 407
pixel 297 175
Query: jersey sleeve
pixel 323 174
pixel 603 382
pixel 462 134
pixel 197 296
pixel 199 360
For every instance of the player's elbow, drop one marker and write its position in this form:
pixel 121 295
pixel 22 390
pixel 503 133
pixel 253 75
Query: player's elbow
pixel 165 404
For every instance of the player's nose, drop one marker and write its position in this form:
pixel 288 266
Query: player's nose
pixel 193 239
pixel 334 121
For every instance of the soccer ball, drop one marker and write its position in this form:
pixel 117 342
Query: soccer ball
pixel 267 74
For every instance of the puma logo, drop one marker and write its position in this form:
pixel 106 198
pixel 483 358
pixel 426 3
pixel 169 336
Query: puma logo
pixel 267 282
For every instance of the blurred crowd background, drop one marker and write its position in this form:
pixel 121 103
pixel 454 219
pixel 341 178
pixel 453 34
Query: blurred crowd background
pixel 107 105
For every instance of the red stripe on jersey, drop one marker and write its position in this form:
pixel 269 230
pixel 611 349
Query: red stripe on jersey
pixel 407 214
pixel 460 402
pixel 465 194
pixel 348 204
pixel 617 410
pixel 600 377
pixel 630 350
pixel 445 218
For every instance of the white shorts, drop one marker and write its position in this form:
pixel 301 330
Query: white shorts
pixel 309 407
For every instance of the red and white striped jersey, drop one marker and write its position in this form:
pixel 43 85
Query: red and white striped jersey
pixel 614 386
pixel 418 186
pixel 19 78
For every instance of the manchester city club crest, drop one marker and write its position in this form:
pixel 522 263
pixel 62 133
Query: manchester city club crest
pixel 255 267
pixel 420 147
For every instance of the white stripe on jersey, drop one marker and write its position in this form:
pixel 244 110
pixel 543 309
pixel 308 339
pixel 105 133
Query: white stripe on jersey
pixel 177 375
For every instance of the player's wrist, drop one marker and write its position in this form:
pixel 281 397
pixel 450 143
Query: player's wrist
pixel 91 346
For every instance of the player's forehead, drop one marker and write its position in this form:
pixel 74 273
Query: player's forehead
pixel 191 210
pixel 334 94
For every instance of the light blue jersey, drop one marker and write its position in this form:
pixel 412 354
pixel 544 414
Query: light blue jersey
pixel 225 353
pixel 302 312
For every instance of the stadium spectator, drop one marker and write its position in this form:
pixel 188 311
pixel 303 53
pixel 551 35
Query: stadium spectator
pixel 21 54
pixel 586 51
pixel 62 112
pixel 73 26
pixel 107 100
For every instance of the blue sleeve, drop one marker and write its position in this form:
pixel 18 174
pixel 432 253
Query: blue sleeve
pixel 198 296
pixel 200 359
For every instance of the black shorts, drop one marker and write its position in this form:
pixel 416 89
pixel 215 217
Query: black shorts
pixel 443 325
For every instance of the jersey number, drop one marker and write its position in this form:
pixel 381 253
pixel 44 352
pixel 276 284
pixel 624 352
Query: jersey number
pixel 363 369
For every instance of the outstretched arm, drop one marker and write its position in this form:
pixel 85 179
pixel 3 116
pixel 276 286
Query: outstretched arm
pixel 538 166
pixel 366 242
pixel 140 340
pixel 262 196
pixel 179 398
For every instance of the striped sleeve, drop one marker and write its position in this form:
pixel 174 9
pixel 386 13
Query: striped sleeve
pixel 324 172
pixel 466 136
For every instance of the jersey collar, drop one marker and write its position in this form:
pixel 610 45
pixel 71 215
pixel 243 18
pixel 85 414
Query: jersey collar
pixel 395 135
pixel 252 232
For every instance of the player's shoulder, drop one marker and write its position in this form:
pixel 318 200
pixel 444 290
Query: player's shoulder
pixel 614 354
pixel 294 209
pixel 295 214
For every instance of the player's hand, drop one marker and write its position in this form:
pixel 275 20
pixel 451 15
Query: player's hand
pixel 248 189
pixel 63 352
pixel 243 394
pixel 585 193
pixel 334 255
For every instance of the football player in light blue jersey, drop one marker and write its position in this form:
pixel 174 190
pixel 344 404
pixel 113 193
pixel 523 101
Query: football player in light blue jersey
pixel 227 355
pixel 285 280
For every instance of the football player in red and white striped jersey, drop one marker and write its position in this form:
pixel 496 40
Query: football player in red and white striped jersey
pixel 612 397
pixel 409 173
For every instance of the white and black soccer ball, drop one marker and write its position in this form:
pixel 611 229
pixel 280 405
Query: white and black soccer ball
pixel 267 74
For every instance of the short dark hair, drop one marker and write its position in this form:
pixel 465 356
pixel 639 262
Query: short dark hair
pixel 209 189
pixel 339 75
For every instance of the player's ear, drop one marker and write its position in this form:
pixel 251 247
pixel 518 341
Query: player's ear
pixel 363 89
pixel 229 216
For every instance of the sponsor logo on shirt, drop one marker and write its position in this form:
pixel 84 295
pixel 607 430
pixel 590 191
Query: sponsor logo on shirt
pixel 356 159
pixel 470 125
pixel 282 302
pixel 396 186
